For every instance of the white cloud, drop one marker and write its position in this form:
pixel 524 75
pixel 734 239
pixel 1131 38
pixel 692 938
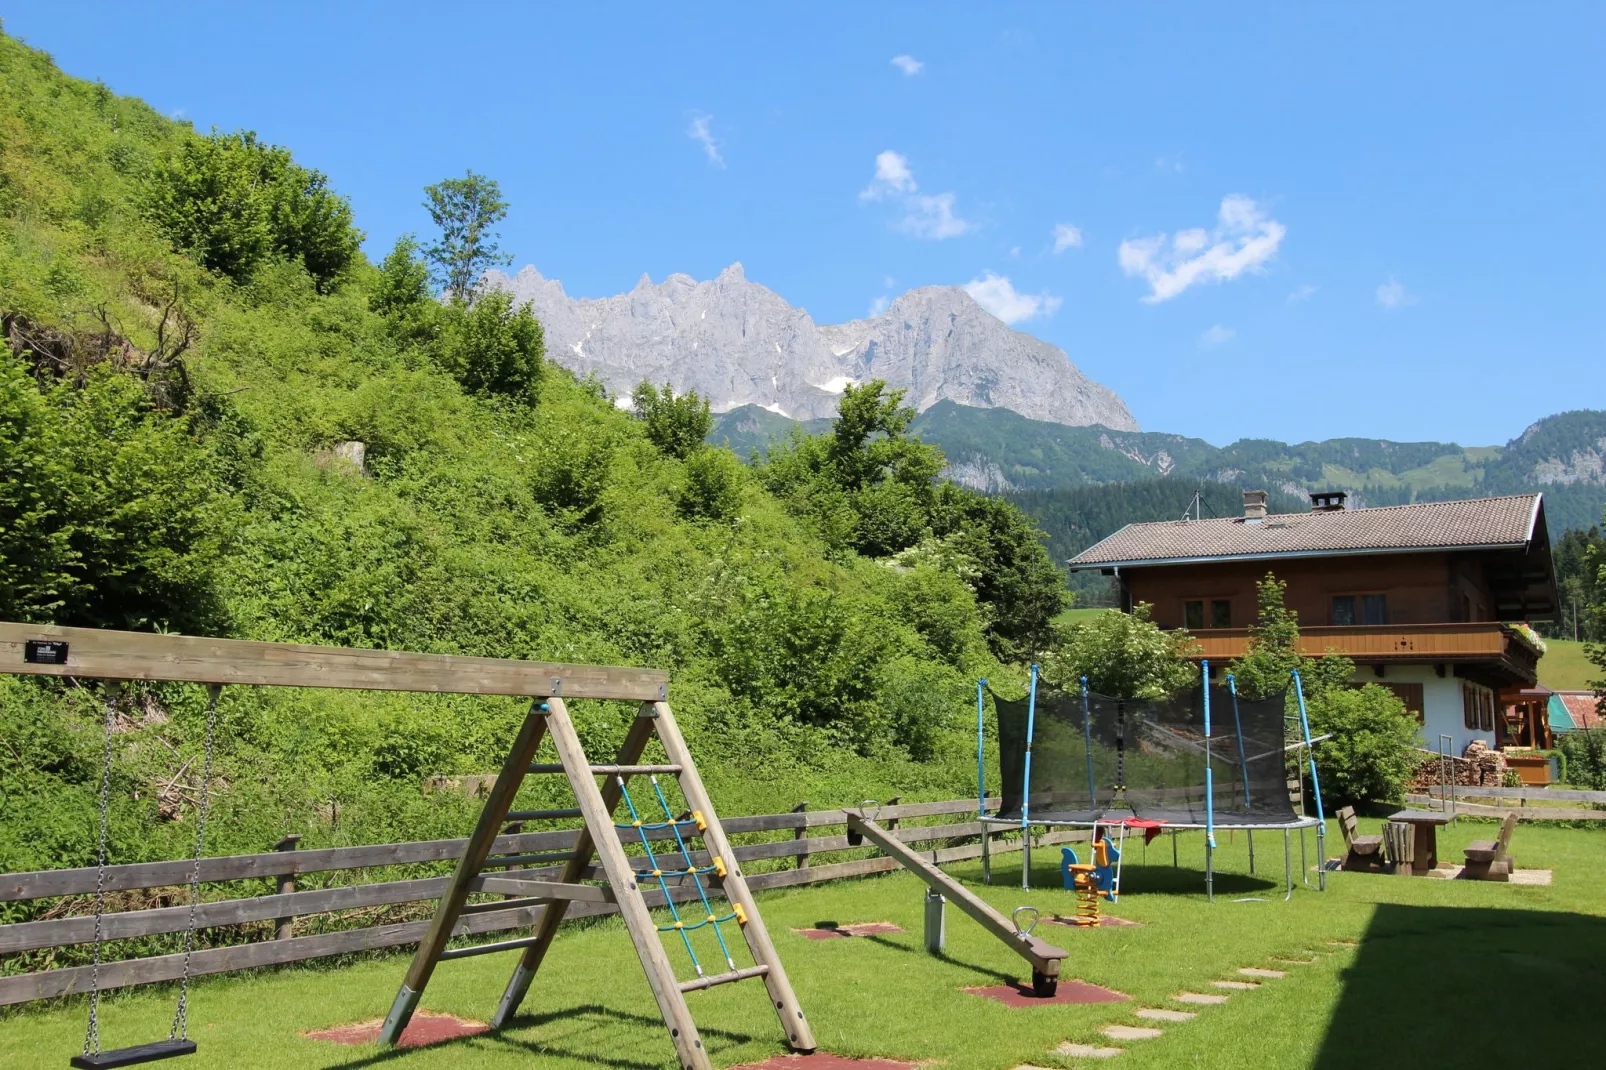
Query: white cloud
pixel 932 216
pixel 1014 252
pixel 892 176
pixel 701 132
pixel 1244 239
pixel 1067 236
pixel 1393 294
pixel 1169 163
pixel 878 306
pixel 1302 294
pixel 926 215
pixel 998 295
pixel 908 65
pixel 1217 335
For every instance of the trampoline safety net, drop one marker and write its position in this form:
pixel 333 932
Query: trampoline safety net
pixel 1096 758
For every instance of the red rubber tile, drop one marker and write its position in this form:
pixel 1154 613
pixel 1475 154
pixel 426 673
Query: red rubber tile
pixel 423 1030
pixel 863 928
pixel 821 1060
pixel 1019 995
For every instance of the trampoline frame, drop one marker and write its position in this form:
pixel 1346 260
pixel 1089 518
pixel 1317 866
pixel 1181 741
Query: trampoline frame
pixel 1318 821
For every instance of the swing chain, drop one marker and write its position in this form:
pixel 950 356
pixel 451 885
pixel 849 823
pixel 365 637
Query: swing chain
pixel 181 1019
pixel 92 1037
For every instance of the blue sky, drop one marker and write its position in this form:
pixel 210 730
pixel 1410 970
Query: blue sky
pixel 1285 221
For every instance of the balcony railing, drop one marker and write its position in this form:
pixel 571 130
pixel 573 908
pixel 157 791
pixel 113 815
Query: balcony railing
pixel 1387 642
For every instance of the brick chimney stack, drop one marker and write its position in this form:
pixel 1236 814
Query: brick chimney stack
pixel 1254 505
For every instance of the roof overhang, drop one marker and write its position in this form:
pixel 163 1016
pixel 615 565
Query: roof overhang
pixel 1288 555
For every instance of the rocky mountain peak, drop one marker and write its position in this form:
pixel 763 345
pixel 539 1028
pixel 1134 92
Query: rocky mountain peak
pixel 738 343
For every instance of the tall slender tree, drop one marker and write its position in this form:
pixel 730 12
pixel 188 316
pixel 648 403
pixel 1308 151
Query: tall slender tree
pixel 465 209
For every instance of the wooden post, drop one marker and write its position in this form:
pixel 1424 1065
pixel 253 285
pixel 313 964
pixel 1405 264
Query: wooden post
pixel 513 829
pixel 801 834
pixel 287 884
pixel 892 822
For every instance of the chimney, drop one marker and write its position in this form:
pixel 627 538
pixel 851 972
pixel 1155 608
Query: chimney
pixel 1330 501
pixel 1254 505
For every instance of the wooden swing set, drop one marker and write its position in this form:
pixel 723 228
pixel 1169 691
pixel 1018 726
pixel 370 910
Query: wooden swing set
pixel 598 850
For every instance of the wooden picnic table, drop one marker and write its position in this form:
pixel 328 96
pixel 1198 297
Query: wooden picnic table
pixel 1425 847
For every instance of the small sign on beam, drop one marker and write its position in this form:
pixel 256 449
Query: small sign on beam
pixel 44 652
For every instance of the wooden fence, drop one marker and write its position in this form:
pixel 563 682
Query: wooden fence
pixel 1497 802
pixel 798 836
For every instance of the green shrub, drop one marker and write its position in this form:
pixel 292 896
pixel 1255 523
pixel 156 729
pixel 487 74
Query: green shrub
pixel 713 487
pixel 231 201
pixel 1123 655
pixel 1585 752
pixel 1372 750
pixel 676 425
pixel 493 348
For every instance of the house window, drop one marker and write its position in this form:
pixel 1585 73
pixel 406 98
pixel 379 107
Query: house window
pixel 1193 614
pixel 1411 695
pixel 1220 613
pixel 1478 705
pixel 1352 609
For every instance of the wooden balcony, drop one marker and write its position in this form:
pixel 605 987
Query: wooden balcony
pixel 1484 643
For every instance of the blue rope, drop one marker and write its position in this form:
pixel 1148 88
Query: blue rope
pixel 697 882
pixel 635 823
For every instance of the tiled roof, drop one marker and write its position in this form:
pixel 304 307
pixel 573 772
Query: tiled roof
pixel 1489 522
pixel 1581 705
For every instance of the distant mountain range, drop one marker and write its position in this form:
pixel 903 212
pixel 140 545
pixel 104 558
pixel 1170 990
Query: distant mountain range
pixel 1003 452
pixel 738 344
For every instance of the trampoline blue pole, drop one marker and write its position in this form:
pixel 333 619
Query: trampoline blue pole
pixel 1310 749
pixel 1026 792
pixel 1210 779
pixel 981 739
pixel 1087 739
pixel 1238 725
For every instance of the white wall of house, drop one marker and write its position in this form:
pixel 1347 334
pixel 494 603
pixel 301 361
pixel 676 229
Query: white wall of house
pixel 1443 710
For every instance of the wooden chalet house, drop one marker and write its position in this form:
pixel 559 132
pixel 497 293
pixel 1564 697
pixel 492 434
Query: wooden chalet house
pixel 1423 597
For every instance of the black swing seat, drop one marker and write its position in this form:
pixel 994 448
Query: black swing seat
pixel 139 1053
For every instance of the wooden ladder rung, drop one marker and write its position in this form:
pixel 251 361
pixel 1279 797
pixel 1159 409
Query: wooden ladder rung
pixel 723 978
pixel 612 770
pixel 541 815
pixel 497 861
pixel 487 949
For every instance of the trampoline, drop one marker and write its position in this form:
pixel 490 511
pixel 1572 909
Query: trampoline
pixel 1207 759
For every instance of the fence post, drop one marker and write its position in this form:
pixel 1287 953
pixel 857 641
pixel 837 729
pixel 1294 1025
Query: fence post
pixel 801 834
pixel 287 884
pixel 513 829
pixel 892 822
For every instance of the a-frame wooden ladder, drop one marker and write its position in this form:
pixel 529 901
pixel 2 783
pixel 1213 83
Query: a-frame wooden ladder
pixel 599 839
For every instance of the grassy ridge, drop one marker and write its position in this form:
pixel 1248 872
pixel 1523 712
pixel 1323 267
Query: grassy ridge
pixel 548 528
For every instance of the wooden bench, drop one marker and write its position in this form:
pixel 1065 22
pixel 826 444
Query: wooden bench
pixel 1399 846
pixel 1489 860
pixel 1363 854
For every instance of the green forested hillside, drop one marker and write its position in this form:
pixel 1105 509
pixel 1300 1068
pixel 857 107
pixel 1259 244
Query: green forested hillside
pixel 193 342
pixel 1000 450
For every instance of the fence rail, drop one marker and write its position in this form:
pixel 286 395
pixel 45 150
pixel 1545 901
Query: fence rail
pixel 800 842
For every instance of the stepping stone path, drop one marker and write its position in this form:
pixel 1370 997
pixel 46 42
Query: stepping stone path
pixel 1160 1014
pixel 1297 962
pixel 1256 971
pixel 1200 998
pixel 824 1060
pixel 1087 1051
pixel 1237 985
pixel 1131 1032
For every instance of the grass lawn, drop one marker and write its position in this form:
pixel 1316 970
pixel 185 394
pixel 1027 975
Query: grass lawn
pixel 1085 613
pixel 1564 667
pixel 1440 974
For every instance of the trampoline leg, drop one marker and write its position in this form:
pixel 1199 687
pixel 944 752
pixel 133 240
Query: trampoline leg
pixel 1026 860
pixel 1210 872
pixel 1250 833
pixel 986 855
pixel 1321 858
pixel 1304 866
pixel 1174 851
pixel 1288 863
